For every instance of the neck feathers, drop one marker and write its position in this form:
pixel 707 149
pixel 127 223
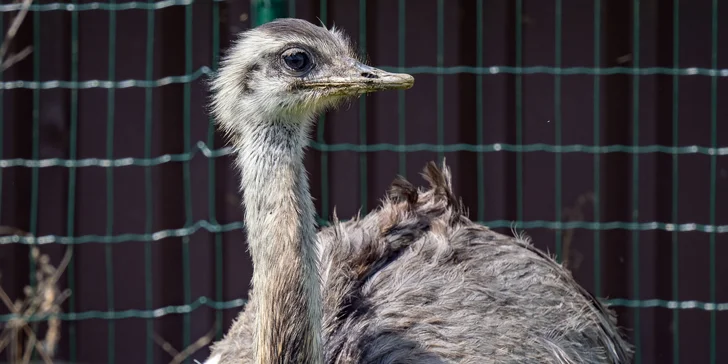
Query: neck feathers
pixel 280 222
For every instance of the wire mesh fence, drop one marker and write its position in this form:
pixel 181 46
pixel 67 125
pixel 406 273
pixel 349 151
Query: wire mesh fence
pixel 596 127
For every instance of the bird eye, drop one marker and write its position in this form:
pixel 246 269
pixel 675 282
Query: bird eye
pixel 297 60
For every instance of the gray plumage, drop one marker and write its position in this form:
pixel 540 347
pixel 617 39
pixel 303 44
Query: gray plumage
pixel 414 281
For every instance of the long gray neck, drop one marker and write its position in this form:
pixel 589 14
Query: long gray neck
pixel 280 220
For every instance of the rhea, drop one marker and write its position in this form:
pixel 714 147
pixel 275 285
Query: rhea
pixel 414 281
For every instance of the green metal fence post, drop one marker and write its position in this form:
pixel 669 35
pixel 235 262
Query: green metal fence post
pixel 267 10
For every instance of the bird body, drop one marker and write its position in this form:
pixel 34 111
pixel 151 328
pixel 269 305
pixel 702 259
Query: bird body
pixel 414 281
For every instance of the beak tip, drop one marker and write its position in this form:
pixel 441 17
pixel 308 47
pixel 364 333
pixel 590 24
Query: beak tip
pixel 410 81
pixel 406 81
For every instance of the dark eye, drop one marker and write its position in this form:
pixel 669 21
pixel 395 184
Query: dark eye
pixel 297 60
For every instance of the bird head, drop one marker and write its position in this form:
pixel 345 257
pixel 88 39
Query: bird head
pixel 292 69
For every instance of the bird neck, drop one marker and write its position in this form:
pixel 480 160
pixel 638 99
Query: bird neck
pixel 281 227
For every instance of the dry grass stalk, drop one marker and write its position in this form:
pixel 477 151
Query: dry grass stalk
pixel 10 35
pixel 179 357
pixel 43 300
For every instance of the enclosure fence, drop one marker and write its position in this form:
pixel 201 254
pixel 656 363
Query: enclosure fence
pixel 199 182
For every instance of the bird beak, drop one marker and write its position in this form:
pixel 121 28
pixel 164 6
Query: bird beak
pixel 359 78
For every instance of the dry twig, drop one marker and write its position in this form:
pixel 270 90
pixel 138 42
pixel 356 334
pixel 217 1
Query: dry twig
pixel 43 300
pixel 179 357
pixel 10 35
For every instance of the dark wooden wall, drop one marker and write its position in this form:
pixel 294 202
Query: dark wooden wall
pixel 340 172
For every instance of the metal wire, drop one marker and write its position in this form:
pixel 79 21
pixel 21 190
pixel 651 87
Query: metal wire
pixel 207 150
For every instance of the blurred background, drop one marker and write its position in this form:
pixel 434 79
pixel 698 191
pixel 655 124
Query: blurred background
pixel 597 127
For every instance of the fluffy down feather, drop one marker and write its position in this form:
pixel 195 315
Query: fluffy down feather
pixel 416 281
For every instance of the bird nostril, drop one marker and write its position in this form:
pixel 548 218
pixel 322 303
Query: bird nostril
pixel 369 75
